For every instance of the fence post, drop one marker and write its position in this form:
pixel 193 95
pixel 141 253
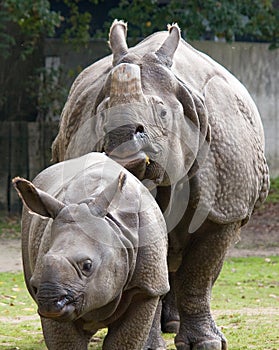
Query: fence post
pixel 18 161
pixel 35 161
pixel 5 142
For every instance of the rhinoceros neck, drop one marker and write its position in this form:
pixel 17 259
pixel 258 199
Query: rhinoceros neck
pixel 108 314
pixel 96 319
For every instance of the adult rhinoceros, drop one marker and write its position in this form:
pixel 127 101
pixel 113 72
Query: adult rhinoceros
pixel 188 128
pixel 94 253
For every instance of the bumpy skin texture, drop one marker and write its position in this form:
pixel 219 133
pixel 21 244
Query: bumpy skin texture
pixel 98 258
pixel 179 120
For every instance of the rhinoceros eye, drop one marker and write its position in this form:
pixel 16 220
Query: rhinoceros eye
pixel 86 266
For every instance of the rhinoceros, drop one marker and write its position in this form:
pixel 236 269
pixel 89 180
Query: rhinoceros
pixel 94 246
pixel 189 130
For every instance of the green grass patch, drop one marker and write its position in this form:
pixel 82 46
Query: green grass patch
pixel 273 196
pixel 244 302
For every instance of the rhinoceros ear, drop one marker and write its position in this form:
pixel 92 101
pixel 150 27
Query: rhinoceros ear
pixel 169 46
pixel 99 205
pixel 194 108
pixel 36 200
pixel 117 40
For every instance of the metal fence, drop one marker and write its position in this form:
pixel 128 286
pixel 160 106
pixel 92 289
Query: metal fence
pixel 25 149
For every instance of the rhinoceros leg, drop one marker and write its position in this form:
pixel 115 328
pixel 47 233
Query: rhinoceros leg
pixel 131 330
pixel 201 265
pixel 170 316
pixel 155 340
pixel 64 336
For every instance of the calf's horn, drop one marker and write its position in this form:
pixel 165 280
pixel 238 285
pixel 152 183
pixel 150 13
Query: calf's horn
pixel 100 205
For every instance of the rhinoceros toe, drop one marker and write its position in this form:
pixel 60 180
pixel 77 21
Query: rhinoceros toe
pixel 204 345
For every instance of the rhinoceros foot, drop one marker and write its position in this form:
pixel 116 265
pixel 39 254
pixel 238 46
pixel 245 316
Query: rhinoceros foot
pixel 198 337
pixel 205 345
pixel 170 327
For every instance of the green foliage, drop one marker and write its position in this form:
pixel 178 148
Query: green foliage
pixel 78 24
pixel 258 20
pixel 25 23
pixel 243 303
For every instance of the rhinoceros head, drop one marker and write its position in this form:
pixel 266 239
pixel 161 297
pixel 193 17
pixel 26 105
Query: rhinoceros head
pixel 147 119
pixel 85 264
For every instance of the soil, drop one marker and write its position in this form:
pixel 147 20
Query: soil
pixel 260 237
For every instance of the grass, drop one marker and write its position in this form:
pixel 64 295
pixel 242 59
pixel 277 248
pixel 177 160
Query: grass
pixel 244 302
pixel 273 196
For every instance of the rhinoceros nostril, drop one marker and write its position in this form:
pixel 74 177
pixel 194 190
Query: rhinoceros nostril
pixel 139 129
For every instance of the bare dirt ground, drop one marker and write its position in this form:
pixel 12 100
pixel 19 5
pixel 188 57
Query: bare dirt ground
pixel 260 237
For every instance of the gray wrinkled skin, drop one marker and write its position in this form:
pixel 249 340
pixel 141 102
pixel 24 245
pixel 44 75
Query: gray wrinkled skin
pixel 94 246
pixel 190 131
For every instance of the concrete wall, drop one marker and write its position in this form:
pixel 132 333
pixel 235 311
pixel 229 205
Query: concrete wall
pixel 253 64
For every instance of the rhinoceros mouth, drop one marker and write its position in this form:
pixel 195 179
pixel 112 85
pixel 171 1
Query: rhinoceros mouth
pixel 141 166
pixel 67 313
pixel 63 307
pixel 136 154
pixel 135 163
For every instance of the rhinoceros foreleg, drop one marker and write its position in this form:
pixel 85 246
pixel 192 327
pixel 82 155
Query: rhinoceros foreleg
pixel 155 340
pixel 131 330
pixel 65 335
pixel 201 265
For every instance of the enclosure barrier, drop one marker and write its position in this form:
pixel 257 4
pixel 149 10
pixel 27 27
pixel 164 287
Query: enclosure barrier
pixel 25 149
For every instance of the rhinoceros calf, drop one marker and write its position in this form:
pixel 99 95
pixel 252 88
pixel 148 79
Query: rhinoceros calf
pixel 94 252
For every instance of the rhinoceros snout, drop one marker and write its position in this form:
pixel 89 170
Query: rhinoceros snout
pixel 57 304
pixel 124 141
pixel 59 310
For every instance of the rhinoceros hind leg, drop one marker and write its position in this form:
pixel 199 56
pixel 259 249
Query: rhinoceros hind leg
pixel 170 315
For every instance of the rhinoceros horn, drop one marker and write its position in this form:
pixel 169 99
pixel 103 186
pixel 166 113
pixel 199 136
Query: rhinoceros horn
pixel 99 205
pixel 166 51
pixel 125 85
pixel 117 40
